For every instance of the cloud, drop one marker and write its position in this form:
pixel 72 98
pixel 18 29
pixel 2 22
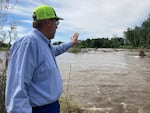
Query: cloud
pixel 103 17
pixel 92 18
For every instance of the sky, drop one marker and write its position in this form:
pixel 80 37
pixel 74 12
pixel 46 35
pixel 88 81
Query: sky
pixel 90 18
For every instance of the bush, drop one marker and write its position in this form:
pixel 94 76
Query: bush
pixel 74 50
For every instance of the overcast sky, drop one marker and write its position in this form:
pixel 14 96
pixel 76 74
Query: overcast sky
pixel 91 18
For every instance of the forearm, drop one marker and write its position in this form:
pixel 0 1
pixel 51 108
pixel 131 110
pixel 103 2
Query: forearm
pixel 59 49
pixel 19 75
pixel 17 100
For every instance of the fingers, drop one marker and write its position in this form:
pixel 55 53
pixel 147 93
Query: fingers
pixel 75 38
pixel 76 35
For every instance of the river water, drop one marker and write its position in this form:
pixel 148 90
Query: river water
pixel 106 80
pixel 113 80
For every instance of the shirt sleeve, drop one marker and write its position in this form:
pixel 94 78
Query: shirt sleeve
pixel 20 71
pixel 59 49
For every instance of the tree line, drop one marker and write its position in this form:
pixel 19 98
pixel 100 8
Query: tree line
pixel 115 42
pixel 137 37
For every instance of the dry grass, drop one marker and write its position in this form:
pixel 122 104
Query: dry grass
pixel 2 91
pixel 67 105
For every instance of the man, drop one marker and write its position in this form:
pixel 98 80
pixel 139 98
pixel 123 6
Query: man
pixel 34 83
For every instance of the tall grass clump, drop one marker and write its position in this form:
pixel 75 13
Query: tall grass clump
pixel 3 83
pixel 2 91
pixel 75 49
pixel 67 103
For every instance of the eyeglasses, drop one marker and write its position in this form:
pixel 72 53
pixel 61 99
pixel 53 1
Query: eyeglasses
pixel 57 22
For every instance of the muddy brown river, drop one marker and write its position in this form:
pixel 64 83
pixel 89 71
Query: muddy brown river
pixel 107 80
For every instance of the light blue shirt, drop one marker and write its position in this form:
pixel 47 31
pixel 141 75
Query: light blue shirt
pixel 33 77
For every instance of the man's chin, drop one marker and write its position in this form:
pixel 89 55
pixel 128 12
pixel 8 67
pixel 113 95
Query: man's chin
pixel 52 37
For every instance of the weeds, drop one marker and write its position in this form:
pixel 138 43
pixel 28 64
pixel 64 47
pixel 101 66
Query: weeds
pixel 3 84
pixel 2 91
pixel 67 104
pixel 75 50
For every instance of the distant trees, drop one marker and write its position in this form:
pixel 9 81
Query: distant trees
pixel 57 43
pixel 114 42
pixel 140 35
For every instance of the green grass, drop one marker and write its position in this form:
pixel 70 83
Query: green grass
pixel 74 50
pixel 4 49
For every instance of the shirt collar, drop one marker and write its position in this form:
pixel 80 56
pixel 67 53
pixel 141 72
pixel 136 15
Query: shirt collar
pixel 41 35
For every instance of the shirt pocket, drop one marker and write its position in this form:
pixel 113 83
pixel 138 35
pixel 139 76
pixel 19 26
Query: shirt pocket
pixel 45 69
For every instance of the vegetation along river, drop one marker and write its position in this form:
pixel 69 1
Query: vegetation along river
pixel 113 80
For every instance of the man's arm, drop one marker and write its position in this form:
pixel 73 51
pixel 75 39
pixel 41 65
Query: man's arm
pixel 20 70
pixel 65 46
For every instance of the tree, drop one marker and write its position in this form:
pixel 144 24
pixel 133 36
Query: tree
pixel 12 32
pixel 9 34
pixel 4 7
pixel 130 36
pixel 146 29
pixel 140 35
